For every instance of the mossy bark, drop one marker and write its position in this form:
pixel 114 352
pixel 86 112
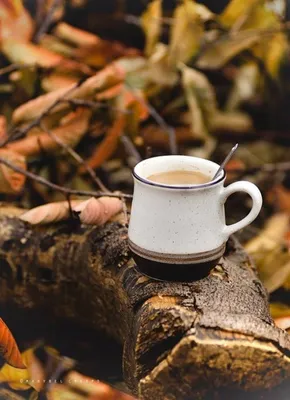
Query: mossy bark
pixel 181 340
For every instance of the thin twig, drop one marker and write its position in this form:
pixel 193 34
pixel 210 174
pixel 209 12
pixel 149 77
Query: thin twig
pixel 36 122
pixel 75 156
pixel 160 121
pixel 48 20
pixel 61 189
pixel 131 151
pixel 14 67
pixel 268 168
pixel 94 104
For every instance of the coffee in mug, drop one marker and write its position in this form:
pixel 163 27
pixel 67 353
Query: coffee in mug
pixel 177 229
pixel 179 177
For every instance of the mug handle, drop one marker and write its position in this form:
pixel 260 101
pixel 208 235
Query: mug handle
pixel 254 192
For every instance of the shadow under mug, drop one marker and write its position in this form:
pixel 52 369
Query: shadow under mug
pixel 178 232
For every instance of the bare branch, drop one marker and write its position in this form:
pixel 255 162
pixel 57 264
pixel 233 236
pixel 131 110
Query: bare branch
pixel 76 157
pixel 47 21
pixel 61 189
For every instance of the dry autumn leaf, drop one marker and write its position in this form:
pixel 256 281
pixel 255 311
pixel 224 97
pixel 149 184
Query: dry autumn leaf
pixel 3 127
pixel 151 23
pixel 15 21
pixel 70 133
pixel 92 211
pixel 221 50
pixel 95 390
pixel 8 347
pixel 108 145
pixel 76 36
pixel 280 195
pixel 57 81
pixel 201 100
pixel 283 323
pixel 101 81
pixel 186 33
pixel 11 181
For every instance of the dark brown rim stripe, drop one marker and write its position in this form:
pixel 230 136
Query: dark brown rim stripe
pixel 192 187
pixel 178 258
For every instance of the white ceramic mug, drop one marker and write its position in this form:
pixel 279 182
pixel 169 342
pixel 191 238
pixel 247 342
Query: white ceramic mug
pixel 183 224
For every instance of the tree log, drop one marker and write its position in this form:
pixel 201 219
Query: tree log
pixel 181 340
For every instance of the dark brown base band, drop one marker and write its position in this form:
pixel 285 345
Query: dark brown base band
pixel 180 259
pixel 174 272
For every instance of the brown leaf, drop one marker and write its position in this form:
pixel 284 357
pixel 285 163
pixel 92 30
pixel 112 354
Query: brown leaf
pixel 15 21
pixel 98 211
pixel 108 145
pixel 3 127
pixel 221 50
pixel 110 93
pixel 283 322
pixel 57 81
pixel 280 195
pixel 69 132
pixel 10 180
pixel 91 212
pixel 76 36
pixel 8 347
pixel 102 80
pixel 21 52
pixel 279 276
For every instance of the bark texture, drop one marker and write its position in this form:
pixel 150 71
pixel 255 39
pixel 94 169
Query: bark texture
pixel 181 340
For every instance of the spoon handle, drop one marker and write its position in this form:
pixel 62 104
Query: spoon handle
pixel 223 164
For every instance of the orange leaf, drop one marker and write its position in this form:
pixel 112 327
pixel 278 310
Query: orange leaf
pixel 139 101
pixel 10 180
pixel 104 79
pixel 91 212
pixel 108 145
pixel 76 36
pixel 70 133
pixel 98 211
pixel 281 197
pixel 15 21
pixel 283 322
pixel 8 347
pixel 110 93
pixel 3 127
pixel 56 81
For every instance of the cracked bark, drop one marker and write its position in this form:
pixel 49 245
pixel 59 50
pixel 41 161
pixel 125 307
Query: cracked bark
pixel 181 340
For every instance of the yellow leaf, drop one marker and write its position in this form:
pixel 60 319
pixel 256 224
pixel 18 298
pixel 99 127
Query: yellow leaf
pixel 151 24
pixel 221 50
pixel 276 51
pixel 237 9
pixel 201 100
pixel 17 378
pixel 186 32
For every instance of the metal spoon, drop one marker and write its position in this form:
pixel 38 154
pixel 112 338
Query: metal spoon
pixel 223 164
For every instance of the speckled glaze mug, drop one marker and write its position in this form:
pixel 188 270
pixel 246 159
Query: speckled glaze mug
pixel 181 228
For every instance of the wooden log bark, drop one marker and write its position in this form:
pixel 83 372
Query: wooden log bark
pixel 181 340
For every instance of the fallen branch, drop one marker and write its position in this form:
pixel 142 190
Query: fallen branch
pixel 212 337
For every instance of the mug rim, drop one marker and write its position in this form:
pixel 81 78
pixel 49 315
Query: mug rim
pixel 186 187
